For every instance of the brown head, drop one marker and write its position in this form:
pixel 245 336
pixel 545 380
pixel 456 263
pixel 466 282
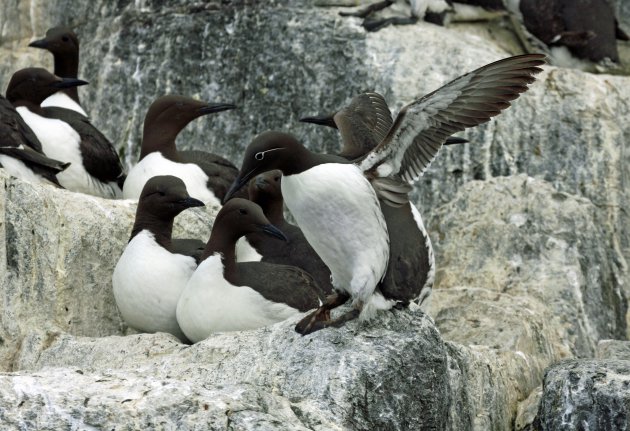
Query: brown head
pixel 265 191
pixel 35 84
pixel 60 41
pixel 167 116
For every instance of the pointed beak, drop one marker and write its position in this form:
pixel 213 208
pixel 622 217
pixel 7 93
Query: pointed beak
pixel 68 83
pixel 40 43
pixel 191 202
pixel 261 183
pixel 236 186
pixel 271 230
pixel 215 107
pixel 322 120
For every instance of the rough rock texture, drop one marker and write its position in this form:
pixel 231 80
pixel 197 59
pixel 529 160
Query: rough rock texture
pixel 389 374
pixel 586 395
pixel 613 349
pixel 58 250
pixel 532 268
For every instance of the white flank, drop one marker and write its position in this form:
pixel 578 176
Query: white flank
pixel 19 170
pixel 62 100
pixel 61 142
pixel 156 164
pixel 148 281
pixel 340 216
pixel 428 285
pixel 211 304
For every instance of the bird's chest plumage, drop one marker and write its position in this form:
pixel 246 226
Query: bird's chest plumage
pixel 340 216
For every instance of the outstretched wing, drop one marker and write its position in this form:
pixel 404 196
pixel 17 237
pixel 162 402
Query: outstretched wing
pixel 422 127
pixel 363 124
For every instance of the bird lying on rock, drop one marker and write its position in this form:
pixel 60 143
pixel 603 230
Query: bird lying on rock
pixel 66 135
pixel 264 190
pixel 223 295
pixel 151 273
pixel 63 44
pixel 21 152
pixel 336 202
pixel 206 175
pixel 433 11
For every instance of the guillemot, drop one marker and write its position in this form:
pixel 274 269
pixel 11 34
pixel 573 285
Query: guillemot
pixel 21 152
pixel 335 201
pixel 63 44
pixel 66 135
pixel 264 190
pixel 223 295
pixel 433 11
pixel 150 276
pixel 363 124
pixel 587 29
pixel 207 176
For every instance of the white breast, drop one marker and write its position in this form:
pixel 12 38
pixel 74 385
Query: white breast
pixel 18 169
pixel 61 142
pixel 62 100
pixel 340 216
pixel 156 164
pixel 148 281
pixel 209 304
pixel 428 285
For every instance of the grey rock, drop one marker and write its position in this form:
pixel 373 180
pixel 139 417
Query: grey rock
pixel 58 250
pixel 587 395
pixel 540 260
pixel 613 349
pixel 387 374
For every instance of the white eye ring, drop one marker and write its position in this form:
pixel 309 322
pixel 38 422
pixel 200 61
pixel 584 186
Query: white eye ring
pixel 259 156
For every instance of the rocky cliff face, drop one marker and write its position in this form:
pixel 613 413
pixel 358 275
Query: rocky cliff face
pixel 532 257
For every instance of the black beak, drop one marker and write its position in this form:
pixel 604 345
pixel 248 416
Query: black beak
pixel 215 107
pixel 452 140
pixel 68 83
pixel 322 120
pixel 41 43
pixel 236 186
pixel 271 230
pixel 191 202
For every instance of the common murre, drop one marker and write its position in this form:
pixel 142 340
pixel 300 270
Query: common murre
pixel 363 124
pixel 223 295
pixel 150 274
pixel 207 176
pixel 63 44
pixel 67 136
pixel 21 152
pixel 264 190
pixel 433 11
pixel 336 202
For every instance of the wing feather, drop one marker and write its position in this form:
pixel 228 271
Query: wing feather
pixel 422 127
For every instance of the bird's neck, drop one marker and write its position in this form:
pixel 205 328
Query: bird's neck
pixel 160 140
pixel 31 106
pixel 161 229
pixel 273 209
pixel 224 244
pixel 67 66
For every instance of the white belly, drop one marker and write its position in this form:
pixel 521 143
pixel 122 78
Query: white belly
pixel 209 304
pixel 148 281
pixel 62 100
pixel 340 216
pixel 61 142
pixel 155 164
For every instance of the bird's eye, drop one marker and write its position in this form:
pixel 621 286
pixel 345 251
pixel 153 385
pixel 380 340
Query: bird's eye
pixel 276 179
pixel 162 193
pixel 65 38
pixel 259 156
pixel 242 211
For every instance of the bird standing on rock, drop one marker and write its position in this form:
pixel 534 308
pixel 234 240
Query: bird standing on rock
pixel 225 295
pixel 66 135
pixel 336 202
pixel 63 44
pixel 150 274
